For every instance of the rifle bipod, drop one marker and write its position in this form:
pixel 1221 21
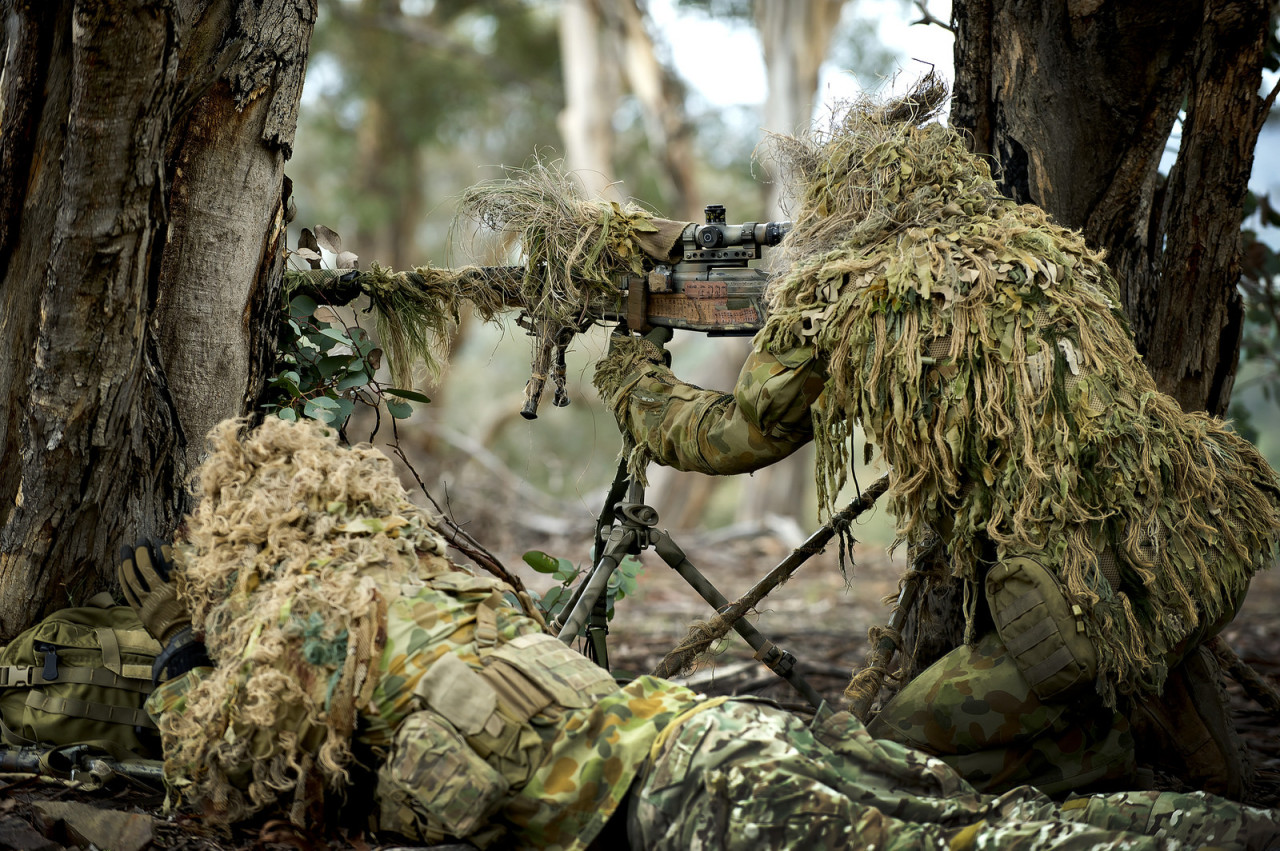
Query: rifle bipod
pixel 630 527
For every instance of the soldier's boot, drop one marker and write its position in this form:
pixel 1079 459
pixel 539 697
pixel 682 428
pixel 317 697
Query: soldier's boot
pixel 1188 730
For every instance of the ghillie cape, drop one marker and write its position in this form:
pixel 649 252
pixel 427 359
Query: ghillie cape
pixel 983 350
pixel 288 566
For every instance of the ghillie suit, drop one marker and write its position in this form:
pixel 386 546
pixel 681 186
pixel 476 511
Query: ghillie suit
pixel 983 350
pixel 481 726
pixel 290 561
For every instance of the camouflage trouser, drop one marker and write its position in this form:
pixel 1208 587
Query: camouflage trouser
pixel 974 710
pixel 748 775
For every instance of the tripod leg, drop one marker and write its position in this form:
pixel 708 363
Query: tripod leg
pixel 774 658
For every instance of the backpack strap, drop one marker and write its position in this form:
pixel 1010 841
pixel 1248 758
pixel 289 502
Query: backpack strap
pixel 76 708
pixel 27 676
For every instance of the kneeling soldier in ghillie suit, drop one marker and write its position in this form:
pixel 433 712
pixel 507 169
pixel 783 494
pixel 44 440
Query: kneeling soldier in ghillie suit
pixel 345 652
pixel 1101 533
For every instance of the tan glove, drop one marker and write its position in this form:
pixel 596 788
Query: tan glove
pixel 629 360
pixel 145 578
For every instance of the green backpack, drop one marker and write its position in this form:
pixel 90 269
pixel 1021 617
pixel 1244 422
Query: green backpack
pixel 80 676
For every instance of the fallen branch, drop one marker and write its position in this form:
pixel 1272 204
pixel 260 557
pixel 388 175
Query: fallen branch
pixel 703 634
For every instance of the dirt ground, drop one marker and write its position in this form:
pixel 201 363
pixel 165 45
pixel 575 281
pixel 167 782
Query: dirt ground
pixel 818 616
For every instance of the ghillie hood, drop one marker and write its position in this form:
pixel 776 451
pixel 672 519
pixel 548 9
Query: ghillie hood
pixel 289 562
pixel 983 350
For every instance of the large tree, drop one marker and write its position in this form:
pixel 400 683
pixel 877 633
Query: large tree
pixel 142 212
pixel 1078 101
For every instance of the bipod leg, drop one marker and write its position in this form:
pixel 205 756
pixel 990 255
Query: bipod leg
pixel 622 542
pixel 780 661
pixel 598 631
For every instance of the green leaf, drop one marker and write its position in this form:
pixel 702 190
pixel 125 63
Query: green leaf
pixel 324 402
pixel 355 379
pixel 288 415
pixel 399 410
pixel 302 306
pixel 331 365
pixel 338 334
pixel 540 561
pixel 411 395
pixel 345 407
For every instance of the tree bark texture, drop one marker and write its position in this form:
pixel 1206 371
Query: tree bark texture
pixel 1075 100
pixel 140 153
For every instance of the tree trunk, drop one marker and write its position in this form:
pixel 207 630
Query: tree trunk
pixel 1076 102
pixel 142 220
pixel 592 87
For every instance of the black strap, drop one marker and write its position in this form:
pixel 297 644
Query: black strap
pixel 183 652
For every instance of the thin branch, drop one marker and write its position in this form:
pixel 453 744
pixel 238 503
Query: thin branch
pixel 703 634
pixel 927 18
pixel 1262 692
pixel 458 537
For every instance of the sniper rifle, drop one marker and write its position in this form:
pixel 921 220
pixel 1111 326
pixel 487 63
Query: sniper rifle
pixel 711 288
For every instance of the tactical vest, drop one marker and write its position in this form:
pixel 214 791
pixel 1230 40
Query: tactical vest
pixel 474 739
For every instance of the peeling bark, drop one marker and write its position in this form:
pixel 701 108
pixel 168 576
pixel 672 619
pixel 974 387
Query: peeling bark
pixel 116 150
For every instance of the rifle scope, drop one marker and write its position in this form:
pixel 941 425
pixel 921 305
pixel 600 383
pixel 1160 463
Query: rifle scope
pixel 716 234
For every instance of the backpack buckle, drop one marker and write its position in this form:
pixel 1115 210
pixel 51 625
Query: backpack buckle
pixel 16 676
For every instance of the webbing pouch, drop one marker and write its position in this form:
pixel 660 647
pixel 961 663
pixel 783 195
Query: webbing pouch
pixel 546 664
pixel 1044 633
pixel 433 780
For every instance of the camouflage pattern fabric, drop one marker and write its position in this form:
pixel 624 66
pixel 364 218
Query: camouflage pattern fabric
pixel 688 428
pixel 975 710
pixel 561 776
pixel 746 775
pixel 714 774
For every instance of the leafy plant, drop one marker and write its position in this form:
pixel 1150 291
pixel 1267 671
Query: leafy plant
pixel 622 582
pixel 325 366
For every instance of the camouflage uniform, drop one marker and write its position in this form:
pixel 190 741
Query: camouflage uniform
pixel 488 729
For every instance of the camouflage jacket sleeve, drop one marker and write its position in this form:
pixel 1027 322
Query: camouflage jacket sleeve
pixel 679 425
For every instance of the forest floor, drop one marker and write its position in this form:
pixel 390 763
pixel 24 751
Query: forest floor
pixel 818 615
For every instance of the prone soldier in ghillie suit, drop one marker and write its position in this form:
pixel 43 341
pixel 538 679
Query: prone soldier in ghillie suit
pixel 1101 533
pixel 345 652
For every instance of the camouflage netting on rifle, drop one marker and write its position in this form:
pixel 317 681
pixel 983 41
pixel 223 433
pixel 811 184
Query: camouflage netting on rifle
pixel 983 350
pixel 570 247
pixel 289 564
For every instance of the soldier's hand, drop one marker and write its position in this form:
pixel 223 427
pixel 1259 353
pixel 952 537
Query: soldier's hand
pixel 629 359
pixel 145 578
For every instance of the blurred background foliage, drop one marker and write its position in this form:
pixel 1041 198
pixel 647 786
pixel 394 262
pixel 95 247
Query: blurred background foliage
pixel 407 102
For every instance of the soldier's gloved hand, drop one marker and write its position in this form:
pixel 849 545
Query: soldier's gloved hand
pixel 628 361
pixel 145 578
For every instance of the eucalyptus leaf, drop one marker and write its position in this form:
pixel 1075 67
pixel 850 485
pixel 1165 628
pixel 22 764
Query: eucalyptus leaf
pixel 328 239
pixel 540 561
pixel 411 395
pixel 399 410
pixel 353 379
pixel 347 260
pixel 302 306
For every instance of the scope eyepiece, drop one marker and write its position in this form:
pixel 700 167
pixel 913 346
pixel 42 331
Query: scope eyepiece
pixel 711 236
